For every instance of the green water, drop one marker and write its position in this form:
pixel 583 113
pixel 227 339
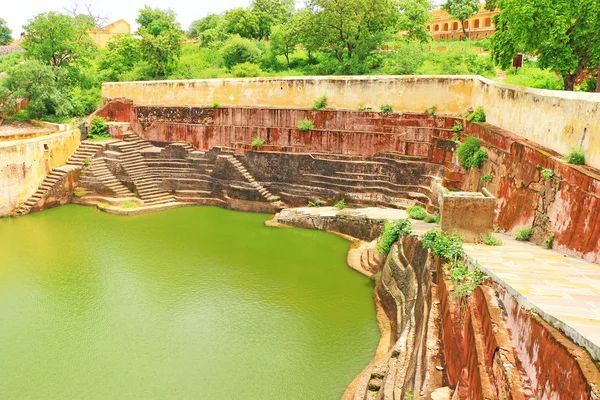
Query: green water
pixel 192 303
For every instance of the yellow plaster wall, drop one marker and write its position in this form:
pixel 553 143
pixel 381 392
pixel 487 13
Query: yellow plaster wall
pixel 555 119
pixel 102 36
pixel 24 164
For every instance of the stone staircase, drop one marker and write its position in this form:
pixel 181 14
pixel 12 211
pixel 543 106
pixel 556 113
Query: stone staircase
pixel 86 151
pixel 98 173
pixel 257 186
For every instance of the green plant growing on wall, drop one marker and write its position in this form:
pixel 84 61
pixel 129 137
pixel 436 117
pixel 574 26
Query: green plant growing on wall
pixel 549 241
pixel 99 128
pixel 464 279
pixel 576 157
pixel 216 104
pixel 456 137
pixel 386 109
pixel 340 205
pixel 470 155
pixel 316 203
pixel 432 218
pixel 362 108
pixel 458 127
pixel 524 234
pixel 416 212
pixel 445 245
pixel 320 104
pixel 431 110
pixel 487 178
pixel 547 173
pixel 79 192
pixel 491 240
pixel 477 116
pixel 306 125
pixel 129 204
pixel 86 162
pixel 391 232
pixel 257 142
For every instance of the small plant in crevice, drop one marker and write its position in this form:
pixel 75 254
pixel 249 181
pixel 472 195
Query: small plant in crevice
pixel 79 192
pixel 487 178
pixel 524 234
pixel 576 157
pixel 477 116
pixel 464 279
pixel 549 241
pixel 432 218
pixel 416 212
pixel 340 205
pixel 469 153
pixel 377 276
pixel 320 104
pixel 362 108
pixel 257 142
pixel 431 110
pixel 216 104
pixel 392 230
pixel 306 125
pixel 316 203
pixel 547 173
pixel 458 127
pixel 386 109
pixel 491 240
pixel 86 162
pixel 456 137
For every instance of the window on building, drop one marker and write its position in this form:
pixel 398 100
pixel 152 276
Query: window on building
pixel 445 27
pixel 476 24
pixel 455 26
pixel 466 24
pixel 487 22
pixel 436 28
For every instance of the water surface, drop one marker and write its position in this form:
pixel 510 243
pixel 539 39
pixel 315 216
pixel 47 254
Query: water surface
pixel 192 303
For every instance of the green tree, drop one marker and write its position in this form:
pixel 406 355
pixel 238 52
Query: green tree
pixel 269 13
pixel 241 21
pixel 7 100
pixel 564 34
pixel 462 10
pixel 414 16
pixel 58 39
pixel 284 39
pixel 237 50
pixel 211 21
pixel 120 56
pixel 5 33
pixel 161 38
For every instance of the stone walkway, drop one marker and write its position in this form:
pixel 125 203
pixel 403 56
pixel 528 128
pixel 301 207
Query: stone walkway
pixel 563 290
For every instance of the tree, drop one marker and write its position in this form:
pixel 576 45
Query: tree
pixel 7 101
pixel 100 20
pixel 284 39
pixel 352 27
pixel 414 16
pixel 241 21
pixel 211 21
pixel 462 10
pixel 564 35
pixel 269 13
pixel 5 33
pixel 161 38
pixel 120 56
pixel 58 39
pixel 237 50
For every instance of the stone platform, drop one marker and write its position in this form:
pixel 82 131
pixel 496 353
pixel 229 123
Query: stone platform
pixel 564 291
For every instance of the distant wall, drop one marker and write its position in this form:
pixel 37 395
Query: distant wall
pixel 25 163
pixel 554 119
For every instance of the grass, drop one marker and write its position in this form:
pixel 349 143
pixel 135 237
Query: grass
pixel 129 204
pixel 416 212
pixel 491 240
pixel 306 125
pixel 320 103
pixel 534 77
pixel 576 157
pixel 524 234
pixel 432 218
pixel 340 205
pixel 386 109
pixel 257 142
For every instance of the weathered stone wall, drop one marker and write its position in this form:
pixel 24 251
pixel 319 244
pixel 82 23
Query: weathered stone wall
pixel 555 119
pixel 25 163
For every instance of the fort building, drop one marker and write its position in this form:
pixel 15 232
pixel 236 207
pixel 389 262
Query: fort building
pixel 102 36
pixel 444 27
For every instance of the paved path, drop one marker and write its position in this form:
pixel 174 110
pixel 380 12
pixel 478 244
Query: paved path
pixel 563 290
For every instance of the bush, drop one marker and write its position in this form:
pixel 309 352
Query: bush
pixel 245 70
pixel 432 218
pixel 306 125
pixel 458 127
pixel 576 157
pixel 391 232
pixel 477 116
pixel 431 110
pixel 21 115
pixel 416 212
pixel 549 241
pixel 86 162
pixel 445 245
pixel 340 205
pixel 316 203
pixel 547 173
pixel 216 104
pixel 491 240
pixel 98 128
pixel 470 154
pixel 464 279
pixel 524 234
pixel 237 50
pixel 386 109
pixel 487 178
pixel 320 103
pixel 257 142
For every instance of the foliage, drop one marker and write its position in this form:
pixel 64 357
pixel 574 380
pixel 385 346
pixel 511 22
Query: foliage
pixel 320 103
pixel 269 13
pixel 576 157
pixel 531 76
pixel 86 162
pixel 416 212
pixel 458 127
pixel 464 279
pixel 216 104
pixel 237 50
pixel 432 218
pixel 477 116
pixel 462 10
pixel 491 240
pixel 563 34
pixel 305 125
pixel 456 137
pixel 414 16
pixel 469 153
pixel 98 128
pixel 257 142
pixel 431 110
pixel 316 203
pixel 459 59
pixel 21 115
pixel 445 245
pixel 58 39
pixel 340 205
pixel 391 232
pixel 524 234
pixel 386 109
pixel 119 57
pixel 5 33
pixel 284 38
pixel 211 21
pixel 129 204
pixel 7 101
pixel 487 178
pixel 245 70
pixel 549 241
pixel 547 173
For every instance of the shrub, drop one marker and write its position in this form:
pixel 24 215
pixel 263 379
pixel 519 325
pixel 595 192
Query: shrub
pixel 477 116
pixel 79 192
pixel 320 103
pixel 548 242
pixel 386 109
pixel 575 157
pixel 364 109
pixel 316 203
pixel 216 104
pixel 21 115
pixel 524 234
pixel 470 154
pixel 455 137
pixel 340 205
pixel 391 232
pixel 237 50
pixel 98 128
pixel 445 245
pixel 86 162
pixel 306 125
pixel 245 70
pixel 491 240
pixel 431 110
pixel 464 279
pixel 458 127
pixel 432 218
pixel 547 173
pixel 257 142
pixel 487 178
pixel 416 212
